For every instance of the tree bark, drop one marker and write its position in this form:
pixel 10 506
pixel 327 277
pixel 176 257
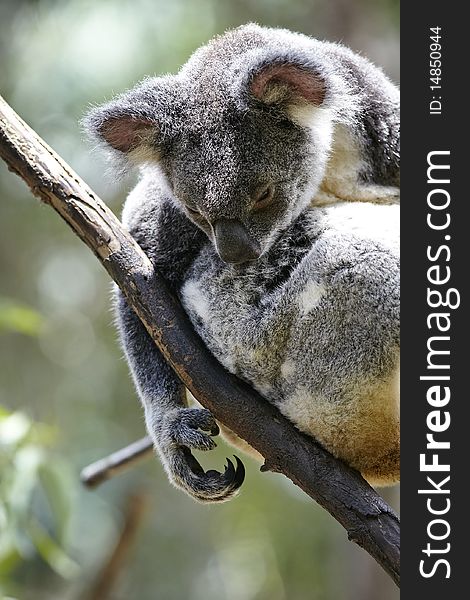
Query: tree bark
pixel 367 518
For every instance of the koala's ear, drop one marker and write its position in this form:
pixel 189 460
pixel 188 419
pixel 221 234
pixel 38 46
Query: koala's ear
pixel 284 82
pixel 138 119
pixel 123 127
pixel 127 132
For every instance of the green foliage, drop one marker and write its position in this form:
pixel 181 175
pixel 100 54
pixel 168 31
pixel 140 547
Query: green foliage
pixel 18 317
pixel 30 468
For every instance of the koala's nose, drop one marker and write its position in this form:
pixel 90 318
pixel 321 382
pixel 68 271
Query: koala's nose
pixel 233 242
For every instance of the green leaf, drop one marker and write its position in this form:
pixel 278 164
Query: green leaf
pixel 51 552
pixel 9 555
pixel 59 488
pixel 19 318
pixel 14 428
pixel 24 480
pixel 17 428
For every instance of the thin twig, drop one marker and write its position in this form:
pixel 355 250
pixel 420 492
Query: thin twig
pixel 116 463
pixel 109 575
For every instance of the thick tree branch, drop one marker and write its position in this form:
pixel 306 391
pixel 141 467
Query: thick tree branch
pixel 369 521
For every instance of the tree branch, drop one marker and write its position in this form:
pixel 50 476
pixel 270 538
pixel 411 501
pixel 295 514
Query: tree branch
pixel 108 578
pixel 369 521
pixel 118 461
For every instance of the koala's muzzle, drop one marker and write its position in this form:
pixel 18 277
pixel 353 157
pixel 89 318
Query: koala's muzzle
pixel 233 242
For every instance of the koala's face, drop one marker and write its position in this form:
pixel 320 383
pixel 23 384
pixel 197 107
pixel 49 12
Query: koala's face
pixel 244 179
pixel 242 146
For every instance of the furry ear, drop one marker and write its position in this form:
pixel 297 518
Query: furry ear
pixel 137 120
pixel 127 132
pixel 123 127
pixel 287 82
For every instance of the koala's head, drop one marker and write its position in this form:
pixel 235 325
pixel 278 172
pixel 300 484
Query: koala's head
pixel 241 138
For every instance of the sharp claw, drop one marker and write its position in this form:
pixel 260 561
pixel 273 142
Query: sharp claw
pixel 227 483
pixel 239 473
pixel 215 430
pixel 236 475
pixel 229 471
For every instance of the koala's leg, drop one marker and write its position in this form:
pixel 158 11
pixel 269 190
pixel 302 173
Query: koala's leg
pixel 174 428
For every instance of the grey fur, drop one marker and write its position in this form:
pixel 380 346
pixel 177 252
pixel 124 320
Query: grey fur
pixel 313 324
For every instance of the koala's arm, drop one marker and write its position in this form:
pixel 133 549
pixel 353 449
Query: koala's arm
pixel 174 428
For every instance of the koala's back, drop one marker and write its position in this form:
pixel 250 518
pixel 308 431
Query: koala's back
pixel 314 326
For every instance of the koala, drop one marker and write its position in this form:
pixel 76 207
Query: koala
pixel 268 198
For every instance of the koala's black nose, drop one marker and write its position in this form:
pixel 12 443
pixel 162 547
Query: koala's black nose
pixel 233 242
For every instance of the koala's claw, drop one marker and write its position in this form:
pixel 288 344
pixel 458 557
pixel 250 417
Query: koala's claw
pixel 228 482
pixel 236 475
pixel 175 436
pixel 211 486
pixel 186 473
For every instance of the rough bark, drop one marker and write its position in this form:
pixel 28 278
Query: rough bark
pixel 367 518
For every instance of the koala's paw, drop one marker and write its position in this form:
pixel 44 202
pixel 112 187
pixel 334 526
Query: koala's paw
pixel 175 435
pixel 188 427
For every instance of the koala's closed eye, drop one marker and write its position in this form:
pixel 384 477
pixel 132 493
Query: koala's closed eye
pixel 192 210
pixel 263 197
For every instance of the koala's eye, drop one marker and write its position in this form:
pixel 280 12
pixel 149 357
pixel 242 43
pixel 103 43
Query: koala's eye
pixel 264 197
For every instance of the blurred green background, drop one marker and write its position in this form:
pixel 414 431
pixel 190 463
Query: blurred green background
pixel 66 398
